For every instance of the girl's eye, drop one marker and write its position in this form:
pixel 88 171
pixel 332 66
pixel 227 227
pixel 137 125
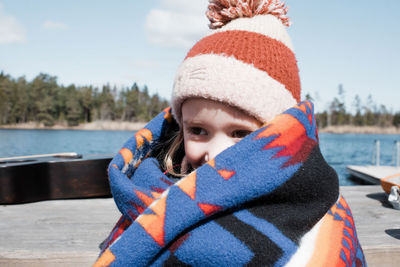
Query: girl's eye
pixel 240 133
pixel 197 131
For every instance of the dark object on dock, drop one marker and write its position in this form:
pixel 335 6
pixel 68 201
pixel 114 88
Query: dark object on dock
pixel 390 181
pixel 58 176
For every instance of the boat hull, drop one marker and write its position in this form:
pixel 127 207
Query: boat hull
pixel 54 178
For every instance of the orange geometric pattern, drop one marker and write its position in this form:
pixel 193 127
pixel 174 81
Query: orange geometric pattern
pixel 144 198
pixel 153 224
pixel 142 135
pixel 168 115
pixel 226 174
pixel 212 163
pixel 105 260
pixel 303 107
pixel 291 143
pixel 126 155
pixel 329 238
pixel 188 185
pixel 327 245
pixel 283 123
pixel 155 194
pixel 208 209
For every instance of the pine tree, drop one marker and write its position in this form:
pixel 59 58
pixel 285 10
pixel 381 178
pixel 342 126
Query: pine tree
pixel 357 119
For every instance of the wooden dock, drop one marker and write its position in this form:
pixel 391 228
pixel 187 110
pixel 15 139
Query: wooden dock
pixel 378 224
pixel 68 232
pixel 56 232
pixel 371 173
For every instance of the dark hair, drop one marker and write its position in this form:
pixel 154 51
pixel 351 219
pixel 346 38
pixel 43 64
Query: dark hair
pixel 170 151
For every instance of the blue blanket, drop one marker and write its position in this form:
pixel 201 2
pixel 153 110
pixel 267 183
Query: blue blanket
pixel 269 200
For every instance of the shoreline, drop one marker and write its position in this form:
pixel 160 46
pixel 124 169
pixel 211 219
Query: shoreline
pixel 346 129
pixel 135 126
pixel 90 126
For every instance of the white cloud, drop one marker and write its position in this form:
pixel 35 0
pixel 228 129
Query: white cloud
pixel 11 31
pixel 52 25
pixel 195 6
pixel 178 23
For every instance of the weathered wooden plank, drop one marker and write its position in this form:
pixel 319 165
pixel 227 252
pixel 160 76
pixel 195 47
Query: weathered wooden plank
pixel 68 232
pixel 55 233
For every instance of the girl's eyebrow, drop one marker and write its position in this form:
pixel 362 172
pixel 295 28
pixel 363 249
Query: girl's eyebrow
pixel 235 124
pixel 189 121
pixel 242 124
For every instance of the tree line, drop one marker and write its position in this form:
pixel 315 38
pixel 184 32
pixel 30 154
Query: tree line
pixel 368 113
pixel 44 100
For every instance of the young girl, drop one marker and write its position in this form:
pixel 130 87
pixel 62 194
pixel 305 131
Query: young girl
pixel 208 128
pixel 242 180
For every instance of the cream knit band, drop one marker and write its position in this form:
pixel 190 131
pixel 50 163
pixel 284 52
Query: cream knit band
pixel 248 63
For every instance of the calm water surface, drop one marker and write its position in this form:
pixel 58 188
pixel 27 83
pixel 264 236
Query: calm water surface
pixel 339 150
pixel 30 142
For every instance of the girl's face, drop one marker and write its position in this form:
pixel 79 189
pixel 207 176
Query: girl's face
pixel 210 127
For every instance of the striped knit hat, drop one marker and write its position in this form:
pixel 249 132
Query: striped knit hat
pixel 247 61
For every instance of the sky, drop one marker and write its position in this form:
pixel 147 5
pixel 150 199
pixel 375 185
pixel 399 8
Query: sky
pixel 95 42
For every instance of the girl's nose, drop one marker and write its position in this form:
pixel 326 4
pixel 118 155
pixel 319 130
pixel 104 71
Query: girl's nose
pixel 218 145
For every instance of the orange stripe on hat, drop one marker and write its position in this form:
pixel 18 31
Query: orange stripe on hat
pixel 265 53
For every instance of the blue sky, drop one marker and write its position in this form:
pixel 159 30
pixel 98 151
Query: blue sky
pixel 355 43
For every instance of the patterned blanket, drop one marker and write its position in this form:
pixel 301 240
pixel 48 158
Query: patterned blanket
pixel 269 200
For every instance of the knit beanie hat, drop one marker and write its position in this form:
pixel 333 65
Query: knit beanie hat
pixel 247 61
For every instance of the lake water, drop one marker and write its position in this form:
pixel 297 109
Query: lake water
pixel 339 150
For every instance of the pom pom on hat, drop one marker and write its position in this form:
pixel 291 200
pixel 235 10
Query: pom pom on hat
pixel 247 61
pixel 220 12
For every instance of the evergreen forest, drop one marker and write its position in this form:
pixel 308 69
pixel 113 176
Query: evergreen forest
pixel 359 113
pixel 44 100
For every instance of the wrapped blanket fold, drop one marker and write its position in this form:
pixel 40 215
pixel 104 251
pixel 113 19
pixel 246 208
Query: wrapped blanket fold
pixel 269 200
